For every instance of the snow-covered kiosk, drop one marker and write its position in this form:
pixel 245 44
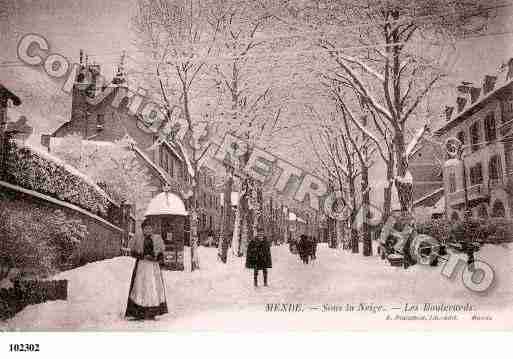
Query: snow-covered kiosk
pixel 168 217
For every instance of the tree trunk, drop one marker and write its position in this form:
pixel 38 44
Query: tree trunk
pixel 403 186
pixel 367 243
pixel 236 230
pixel 354 213
pixel 194 238
pixel 272 222
pixel 387 191
pixel 227 217
pixel 243 220
pixel 330 223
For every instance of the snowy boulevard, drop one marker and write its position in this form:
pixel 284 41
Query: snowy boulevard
pixel 222 297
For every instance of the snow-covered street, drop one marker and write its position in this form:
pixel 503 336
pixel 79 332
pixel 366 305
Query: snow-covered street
pixel 222 297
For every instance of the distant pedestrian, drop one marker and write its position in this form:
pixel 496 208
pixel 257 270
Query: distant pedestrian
pixel 304 248
pixel 147 298
pixel 314 248
pixel 258 257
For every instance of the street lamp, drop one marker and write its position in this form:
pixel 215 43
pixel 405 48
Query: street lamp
pixel 454 148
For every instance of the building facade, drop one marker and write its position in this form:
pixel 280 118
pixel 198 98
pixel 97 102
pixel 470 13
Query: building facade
pixel 209 204
pixel 482 121
pixel 426 168
pixel 100 112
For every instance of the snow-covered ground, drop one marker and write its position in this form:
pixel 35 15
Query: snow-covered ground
pixel 222 297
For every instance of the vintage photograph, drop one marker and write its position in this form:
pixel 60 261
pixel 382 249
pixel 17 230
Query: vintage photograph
pixel 255 165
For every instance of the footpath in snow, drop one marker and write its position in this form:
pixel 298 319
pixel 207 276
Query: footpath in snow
pixel 222 297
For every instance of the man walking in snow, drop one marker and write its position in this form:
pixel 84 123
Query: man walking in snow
pixel 304 248
pixel 258 257
pixel 314 248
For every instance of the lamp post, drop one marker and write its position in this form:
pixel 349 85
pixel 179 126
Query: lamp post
pixel 468 213
pixel 454 148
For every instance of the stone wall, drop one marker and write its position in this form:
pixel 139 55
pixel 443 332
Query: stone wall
pixel 103 239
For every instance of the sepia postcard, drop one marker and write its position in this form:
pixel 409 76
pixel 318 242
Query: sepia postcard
pixel 255 165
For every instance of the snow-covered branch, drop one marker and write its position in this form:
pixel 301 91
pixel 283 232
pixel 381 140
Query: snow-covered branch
pixel 364 90
pixel 364 66
pixel 365 131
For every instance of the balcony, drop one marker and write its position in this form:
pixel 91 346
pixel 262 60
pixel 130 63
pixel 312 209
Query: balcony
pixel 475 193
pixel 456 198
pixel 478 191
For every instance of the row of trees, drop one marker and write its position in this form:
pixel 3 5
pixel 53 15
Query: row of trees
pixel 233 66
pixel 379 77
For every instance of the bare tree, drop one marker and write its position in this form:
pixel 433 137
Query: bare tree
pixel 248 98
pixel 178 38
pixel 389 54
pixel 341 160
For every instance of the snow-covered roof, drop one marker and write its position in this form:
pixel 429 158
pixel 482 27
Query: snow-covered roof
pixel 428 195
pixel 4 92
pixel 166 203
pixel 163 174
pixel 42 153
pixel 439 206
pixel 502 77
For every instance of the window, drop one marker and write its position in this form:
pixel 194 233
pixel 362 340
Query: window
pixel 452 182
pixel 482 212
pixel 476 174
pixel 171 166
pixel 498 209
pixel 461 137
pixel 474 136
pixel 100 121
pixel 495 170
pixel 455 217
pixel 489 124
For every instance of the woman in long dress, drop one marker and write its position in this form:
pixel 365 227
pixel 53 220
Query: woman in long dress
pixel 147 297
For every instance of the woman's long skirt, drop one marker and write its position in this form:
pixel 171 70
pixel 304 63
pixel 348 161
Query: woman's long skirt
pixel 146 297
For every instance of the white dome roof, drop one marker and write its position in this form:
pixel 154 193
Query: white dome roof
pixel 166 203
pixel 293 217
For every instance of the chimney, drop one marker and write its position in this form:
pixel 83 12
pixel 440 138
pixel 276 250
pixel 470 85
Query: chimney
pixel 489 83
pixel 465 87
pixel 510 69
pixel 474 94
pixel 467 91
pixel 448 112
pixel 461 102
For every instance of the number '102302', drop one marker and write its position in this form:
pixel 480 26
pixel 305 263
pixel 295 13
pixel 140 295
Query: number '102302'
pixel 23 347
